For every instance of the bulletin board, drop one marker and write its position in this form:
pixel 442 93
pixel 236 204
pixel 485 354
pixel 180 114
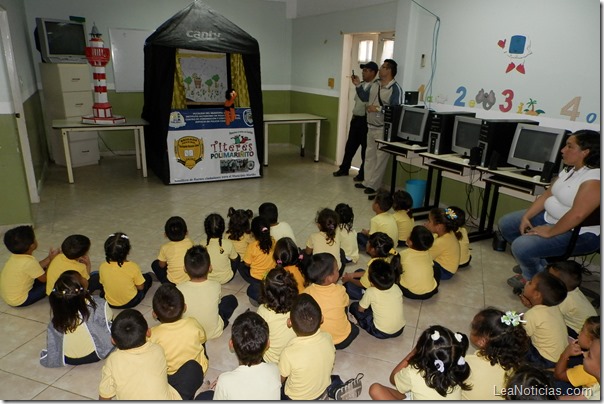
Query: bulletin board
pixel 127 58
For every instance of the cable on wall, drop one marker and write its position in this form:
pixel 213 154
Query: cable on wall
pixel 433 55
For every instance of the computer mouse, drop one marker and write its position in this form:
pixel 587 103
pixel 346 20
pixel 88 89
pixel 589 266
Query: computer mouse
pixel 536 178
pixel 466 161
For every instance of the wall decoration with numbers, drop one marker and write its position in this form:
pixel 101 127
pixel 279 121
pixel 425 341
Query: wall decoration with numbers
pixel 511 62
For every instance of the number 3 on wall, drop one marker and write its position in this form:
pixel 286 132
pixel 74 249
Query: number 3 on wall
pixel 509 97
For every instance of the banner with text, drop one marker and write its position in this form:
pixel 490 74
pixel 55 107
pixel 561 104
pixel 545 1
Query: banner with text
pixel 202 147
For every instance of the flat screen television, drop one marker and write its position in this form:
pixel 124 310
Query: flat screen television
pixel 466 132
pixel 533 145
pixel 413 123
pixel 61 41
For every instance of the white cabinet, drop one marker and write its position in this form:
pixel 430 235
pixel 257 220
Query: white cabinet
pixel 68 94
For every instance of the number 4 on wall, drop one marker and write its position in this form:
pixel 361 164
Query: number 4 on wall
pixel 571 109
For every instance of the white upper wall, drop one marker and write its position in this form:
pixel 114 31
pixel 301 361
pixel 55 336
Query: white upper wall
pixel 263 20
pixel 564 40
pixel 317 44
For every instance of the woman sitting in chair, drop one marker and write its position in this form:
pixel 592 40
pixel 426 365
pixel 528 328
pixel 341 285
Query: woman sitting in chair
pixel 544 229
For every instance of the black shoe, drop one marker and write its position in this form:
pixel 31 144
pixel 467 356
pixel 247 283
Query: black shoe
pixel 359 185
pixel 518 291
pixel 359 178
pixel 340 173
pixel 517 269
pixel 369 190
pixel 371 197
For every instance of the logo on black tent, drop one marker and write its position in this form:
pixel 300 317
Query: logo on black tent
pixel 204 35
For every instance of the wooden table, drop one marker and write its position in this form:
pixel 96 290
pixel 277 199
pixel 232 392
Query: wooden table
pixel 75 125
pixel 279 119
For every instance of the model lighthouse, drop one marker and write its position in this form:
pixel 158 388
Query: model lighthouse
pixel 98 56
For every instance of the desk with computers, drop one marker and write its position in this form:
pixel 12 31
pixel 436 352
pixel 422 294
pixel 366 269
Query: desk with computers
pixel 517 155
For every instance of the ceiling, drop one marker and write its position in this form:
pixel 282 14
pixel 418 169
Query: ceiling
pixel 305 8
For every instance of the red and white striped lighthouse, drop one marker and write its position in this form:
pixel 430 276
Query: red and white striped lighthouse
pixel 98 56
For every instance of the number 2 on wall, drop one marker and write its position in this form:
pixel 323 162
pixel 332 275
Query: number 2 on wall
pixel 462 91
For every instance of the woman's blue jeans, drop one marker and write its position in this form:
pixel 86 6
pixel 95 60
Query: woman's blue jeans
pixel 530 251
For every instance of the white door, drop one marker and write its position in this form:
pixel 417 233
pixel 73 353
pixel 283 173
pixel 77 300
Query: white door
pixel 364 48
pixel 7 48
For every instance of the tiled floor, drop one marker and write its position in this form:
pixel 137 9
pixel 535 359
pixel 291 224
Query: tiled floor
pixel 113 196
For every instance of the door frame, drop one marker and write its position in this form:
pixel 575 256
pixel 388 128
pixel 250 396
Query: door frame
pixel 17 104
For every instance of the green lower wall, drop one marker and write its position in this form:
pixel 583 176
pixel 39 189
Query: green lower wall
pixel 14 198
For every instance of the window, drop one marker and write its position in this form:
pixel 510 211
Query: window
pixel 388 49
pixel 365 51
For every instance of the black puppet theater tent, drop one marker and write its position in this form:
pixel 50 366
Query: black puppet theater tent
pixel 197 28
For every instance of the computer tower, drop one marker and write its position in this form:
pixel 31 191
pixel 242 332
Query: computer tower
pixel 392 116
pixel 411 97
pixel 497 135
pixel 440 132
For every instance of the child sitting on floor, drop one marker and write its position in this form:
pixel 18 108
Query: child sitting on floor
pixel 420 278
pixel 169 267
pixel 239 229
pixel 269 211
pixel 383 221
pixel 124 284
pixel 575 308
pixel 182 340
pixel 253 379
pixel 464 242
pixel 332 298
pixel 348 235
pixel 278 295
pixel 258 258
pixel 203 296
pixel 544 323
pixel 136 370
pixel 576 376
pixel 446 250
pixel 501 343
pixel 23 279
pixel 80 329
pixel 402 202
pixel 433 370
pixel 380 310
pixel 223 255
pixel 288 255
pixel 327 239
pixel 73 256
pixel 307 361
pixel 379 246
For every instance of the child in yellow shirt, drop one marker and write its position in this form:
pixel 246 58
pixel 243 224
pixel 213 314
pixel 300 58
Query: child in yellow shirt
pixel 420 278
pixel 169 265
pixel 258 258
pixel 74 256
pixel 182 340
pixel 136 370
pixel 238 229
pixel 23 279
pixel 446 249
pixel 332 298
pixel 225 258
pixel 402 202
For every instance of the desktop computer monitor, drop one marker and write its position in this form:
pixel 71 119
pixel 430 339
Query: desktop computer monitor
pixel 413 125
pixel 466 133
pixel 533 145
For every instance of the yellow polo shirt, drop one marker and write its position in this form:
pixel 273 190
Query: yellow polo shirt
pixel 182 341
pixel 137 374
pixel 333 301
pixel 221 262
pixel 446 251
pixel 307 363
pixel 173 252
pixel 17 278
pixel 418 271
pixel 404 223
pixel 60 264
pixel 120 282
pixel 545 325
pixel 279 333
